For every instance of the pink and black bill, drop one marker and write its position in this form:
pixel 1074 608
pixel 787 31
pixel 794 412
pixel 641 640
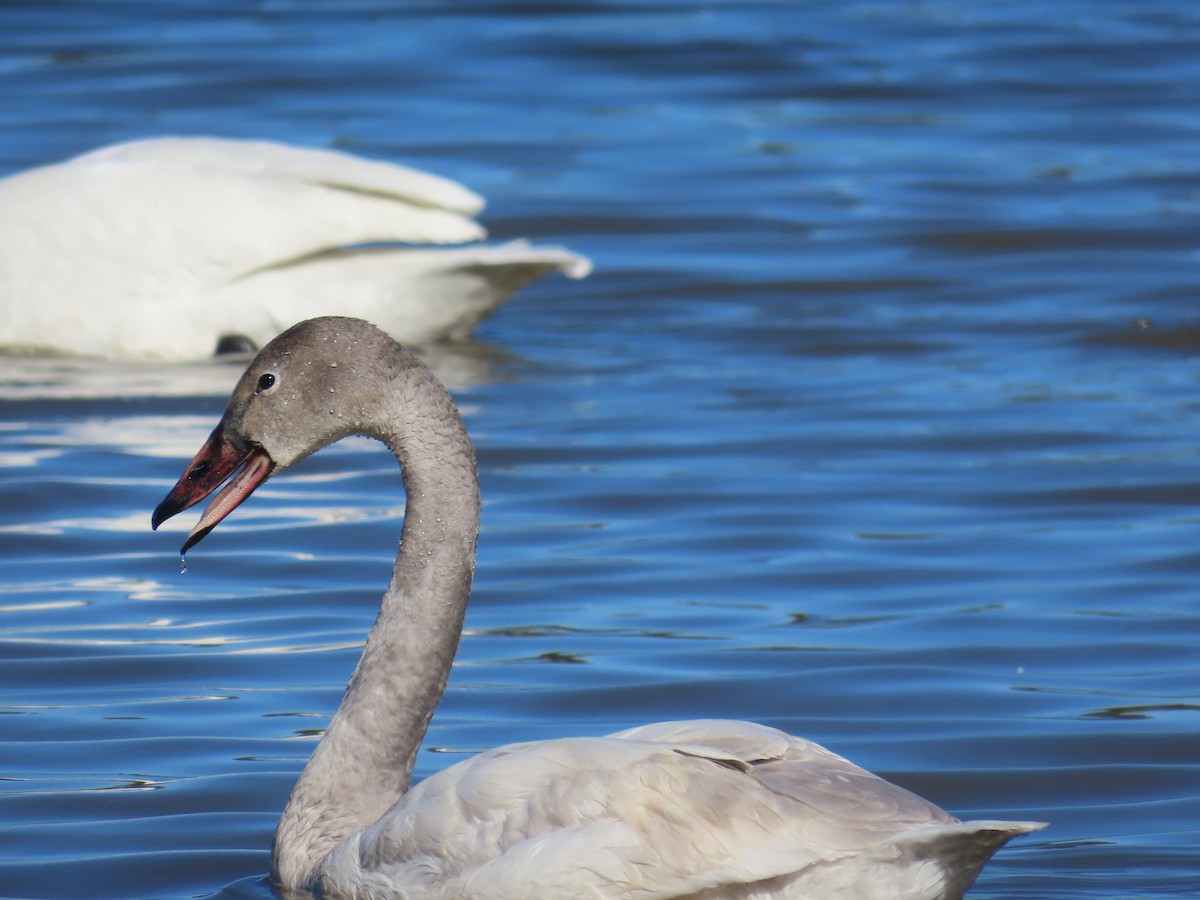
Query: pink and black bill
pixel 217 460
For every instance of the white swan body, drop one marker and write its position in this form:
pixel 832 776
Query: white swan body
pixel 155 249
pixel 701 809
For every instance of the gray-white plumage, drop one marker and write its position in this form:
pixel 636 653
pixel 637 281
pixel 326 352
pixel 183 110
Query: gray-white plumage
pixel 704 809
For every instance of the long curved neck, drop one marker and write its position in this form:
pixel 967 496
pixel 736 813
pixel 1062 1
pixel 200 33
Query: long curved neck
pixel 363 764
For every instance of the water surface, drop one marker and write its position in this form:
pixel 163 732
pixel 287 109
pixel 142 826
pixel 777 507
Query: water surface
pixel 876 422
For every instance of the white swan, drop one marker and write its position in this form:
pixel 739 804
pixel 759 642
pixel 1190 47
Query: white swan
pixel 701 809
pixel 155 249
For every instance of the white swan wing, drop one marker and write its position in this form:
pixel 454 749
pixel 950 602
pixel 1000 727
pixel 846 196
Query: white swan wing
pixel 418 294
pixel 302 164
pixel 661 811
pixel 146 224
pixel 154 224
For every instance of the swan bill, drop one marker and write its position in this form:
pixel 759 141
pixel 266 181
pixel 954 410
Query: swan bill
pixel 219 459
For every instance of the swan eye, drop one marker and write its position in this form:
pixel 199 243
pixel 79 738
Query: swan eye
pixel 266 381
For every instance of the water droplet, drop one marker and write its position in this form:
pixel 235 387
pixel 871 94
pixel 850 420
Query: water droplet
pixel 182 565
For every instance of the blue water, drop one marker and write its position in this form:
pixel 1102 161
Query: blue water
pixel 876 422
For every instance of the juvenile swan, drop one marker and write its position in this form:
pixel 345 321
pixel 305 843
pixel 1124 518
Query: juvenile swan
pixel 702 809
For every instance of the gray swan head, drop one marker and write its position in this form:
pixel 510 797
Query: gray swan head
pixel 317 382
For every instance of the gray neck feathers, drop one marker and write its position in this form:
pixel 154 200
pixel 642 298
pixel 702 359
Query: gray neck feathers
pixel 363 764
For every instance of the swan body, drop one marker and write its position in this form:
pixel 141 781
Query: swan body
pixel 156 249
pixel 699 809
